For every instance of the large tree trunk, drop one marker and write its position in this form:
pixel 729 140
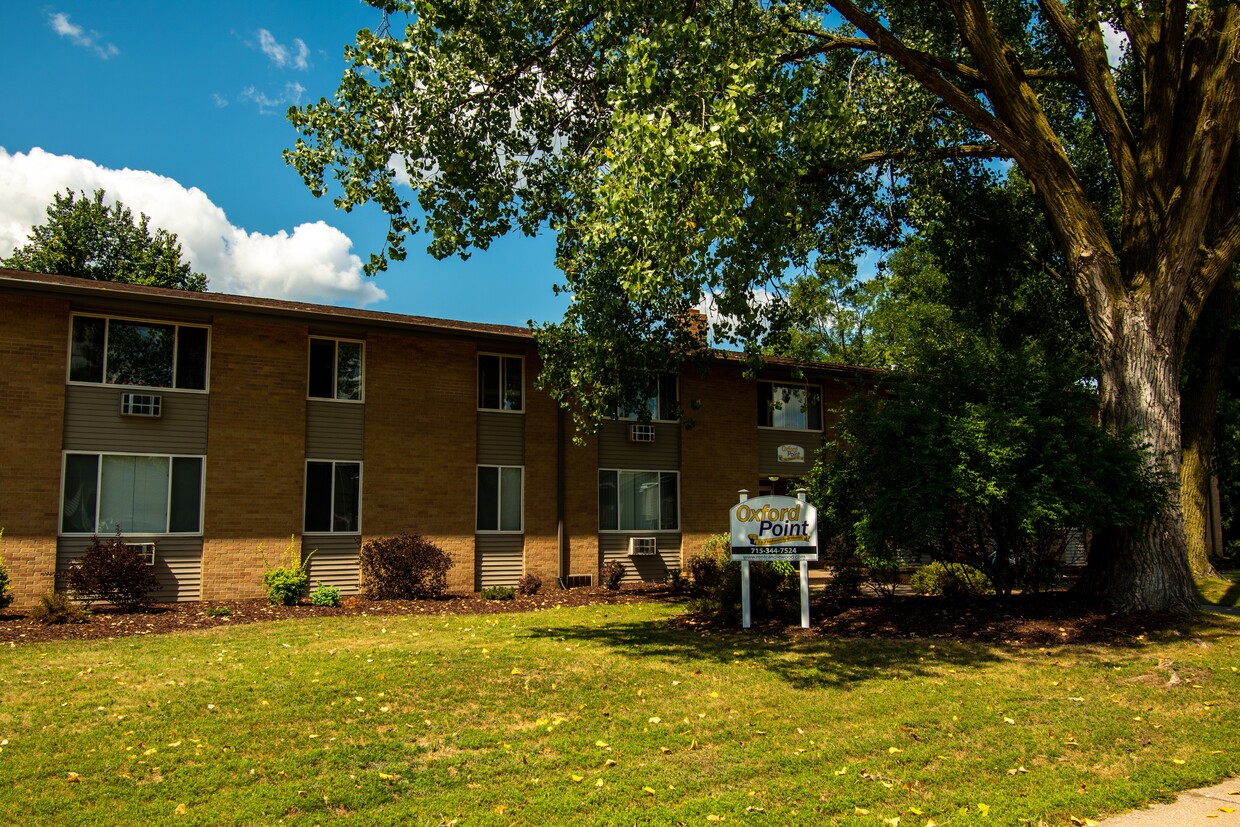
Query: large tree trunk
pixel 1143 568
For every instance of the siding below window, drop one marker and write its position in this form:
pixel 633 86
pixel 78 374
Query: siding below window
pixel 334 561
pixel 615 450
pixel 178 564
pixel 334 430
pixel 501 438
pixel 499 559
pixel 93 422
pixel 646 567
pixel 769 440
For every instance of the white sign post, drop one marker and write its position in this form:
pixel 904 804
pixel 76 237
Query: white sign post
pixel 774 528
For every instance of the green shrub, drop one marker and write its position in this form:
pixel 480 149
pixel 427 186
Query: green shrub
pixel 57 608
pixel 407 567
pixel 219 611
pixel 6 589
pixel 775 589
pixel 675 581
pixel 499 593
pixel 325 595
pixel 287 582
pixel 611 574
pixel 112 572
pixel 529 584
pixel 951 580
pixel 847 574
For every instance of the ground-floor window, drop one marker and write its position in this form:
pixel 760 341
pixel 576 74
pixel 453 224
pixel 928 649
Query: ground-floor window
pixel 333 496
pixel 638 500
pixel 499 498
pixel 138 494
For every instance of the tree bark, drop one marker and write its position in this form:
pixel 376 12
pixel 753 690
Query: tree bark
pixel 1143 568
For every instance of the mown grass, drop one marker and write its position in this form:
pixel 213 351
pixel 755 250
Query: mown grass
pixel 604 715
pixel 1223 590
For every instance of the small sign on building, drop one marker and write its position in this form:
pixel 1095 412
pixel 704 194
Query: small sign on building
pixel 790 453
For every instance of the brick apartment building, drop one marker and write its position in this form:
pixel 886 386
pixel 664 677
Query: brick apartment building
pixel 208 424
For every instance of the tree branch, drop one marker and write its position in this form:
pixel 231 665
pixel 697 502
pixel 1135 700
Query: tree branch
pixel 879 156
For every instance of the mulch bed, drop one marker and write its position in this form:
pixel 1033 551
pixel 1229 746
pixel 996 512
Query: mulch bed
pixel 1038 620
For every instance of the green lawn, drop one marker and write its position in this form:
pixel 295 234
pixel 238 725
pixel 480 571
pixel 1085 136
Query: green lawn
pixel 604 715
pixel 1221 591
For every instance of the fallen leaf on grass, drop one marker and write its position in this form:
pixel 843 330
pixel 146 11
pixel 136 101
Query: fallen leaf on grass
pixel 648 790
pixel 383 776
pixel 892 822
pixel 73 778
pixel 713 817
pixel 1084 822
pixel 860 811
pixel 181 810
pixel 609 763
pixel 578 778
pixel 984 809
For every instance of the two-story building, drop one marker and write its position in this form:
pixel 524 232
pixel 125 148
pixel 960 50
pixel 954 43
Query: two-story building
pixel 207 425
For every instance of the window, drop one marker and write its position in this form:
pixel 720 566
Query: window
pixel 638 501
pixel 333 496
pixel 143 354
pixel 792 407
pixel 499 383
pixel 499 498
pixel 335 369
pixel 660 405
pixel 137 494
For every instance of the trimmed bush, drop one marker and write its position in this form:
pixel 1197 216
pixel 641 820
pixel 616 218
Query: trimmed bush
pixel 112 572
pixel 6 589
pixel 529 584
pixel 951 580
pixel 406 567
pixel 325 595
pixel 55 609
pixel 611 574
pixel 499 593
pixel 775 589
pixel 287 582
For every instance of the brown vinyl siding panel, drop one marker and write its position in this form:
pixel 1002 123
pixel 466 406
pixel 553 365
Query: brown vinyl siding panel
pixel 769 440
pixel 334 561
pixel 501 438
pixel 335 430
pixel 614 547
pixel 178 564
pixel 93 422
pixel 616 450
pixel 498 559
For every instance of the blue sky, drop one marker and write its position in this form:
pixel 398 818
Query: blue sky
pixel 178 110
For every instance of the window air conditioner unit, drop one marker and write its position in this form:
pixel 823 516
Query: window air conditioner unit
pixel 642 546
pixel 641 433
pixel 145 550
pixel 141 404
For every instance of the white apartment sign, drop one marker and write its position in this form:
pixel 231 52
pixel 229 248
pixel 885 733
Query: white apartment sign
pixel 774 528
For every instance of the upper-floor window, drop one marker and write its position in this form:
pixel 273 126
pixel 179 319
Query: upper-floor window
pixel 638 500
pixel 499 498
pixel 138 494
pixel 333 496
pixel 500 386
pixel 335 369
pixel 659 405
pixel 793 407
pixel 139 353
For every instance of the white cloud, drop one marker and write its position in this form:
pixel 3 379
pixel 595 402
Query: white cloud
pixel 313 262
pixel 290 96
pixel 60 24
pixel 220 100
pixel 1116 42
pixel 282 55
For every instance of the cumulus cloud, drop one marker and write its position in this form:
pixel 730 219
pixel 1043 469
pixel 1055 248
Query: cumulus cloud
pixel 267 104
pixel 77 35
pixel 281 55
pixel 1116 43
pixel 313 262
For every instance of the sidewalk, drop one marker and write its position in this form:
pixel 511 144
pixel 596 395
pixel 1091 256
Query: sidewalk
pixel 1219 805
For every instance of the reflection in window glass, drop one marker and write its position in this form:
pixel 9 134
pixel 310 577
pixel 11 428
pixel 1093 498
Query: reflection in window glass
pixel 335 369
pixel 81 491
pixel 143 354
pixel 333 497
pixel 638 501
pixel 500 385
pixel 140 354
pixel 348 370
pixel 86 358
pixel 499 498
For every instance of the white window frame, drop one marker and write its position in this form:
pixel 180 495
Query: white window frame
pixel 202 493
pixel 642 531
pixel 624 416
pixel 499 493
pixel 808 388
pixel 502 374
pixel 305 486
pixel 176 344
pixel 336 340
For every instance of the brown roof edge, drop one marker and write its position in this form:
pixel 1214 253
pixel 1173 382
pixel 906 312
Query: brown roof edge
pixel 72 285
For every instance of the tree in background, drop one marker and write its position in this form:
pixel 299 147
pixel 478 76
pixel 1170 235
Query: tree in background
pixel 87 238
pixel 705 149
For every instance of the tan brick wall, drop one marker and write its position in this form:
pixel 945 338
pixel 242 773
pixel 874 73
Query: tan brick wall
pixel 581 496
pixel 34 344
pixel 255 451
pixel 419 475
pixel 541 525
pixel 719 453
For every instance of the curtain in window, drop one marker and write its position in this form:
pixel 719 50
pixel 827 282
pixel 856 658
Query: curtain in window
pixel 639 500
pixel 510 499
pixel 134 495
pixel 348 496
